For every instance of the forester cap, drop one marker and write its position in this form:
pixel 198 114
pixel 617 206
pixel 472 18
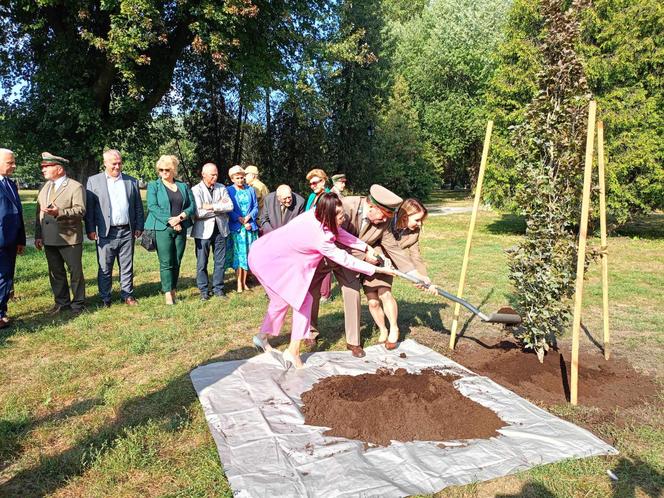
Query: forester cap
pixel 384 198
pixel 47 159
pixel 340 176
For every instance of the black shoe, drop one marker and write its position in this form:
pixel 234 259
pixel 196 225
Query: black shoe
pixel 106 304
pixel 204 297
pixel 221 295
pixel 78 311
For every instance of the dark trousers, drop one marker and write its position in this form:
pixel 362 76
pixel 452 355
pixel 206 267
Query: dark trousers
pixel 119 245
pixel 217 243
pixel 7 268
pixel 170 250
pixel 71 256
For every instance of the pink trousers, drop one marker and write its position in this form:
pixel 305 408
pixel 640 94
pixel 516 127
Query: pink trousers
pixel 276 314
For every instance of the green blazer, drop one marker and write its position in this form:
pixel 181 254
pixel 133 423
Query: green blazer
pixel 159 207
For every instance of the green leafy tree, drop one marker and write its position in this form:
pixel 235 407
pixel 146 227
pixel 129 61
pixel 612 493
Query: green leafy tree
pixel 90 68
pixel 445 55
pixel 622 46
pixel 551 145
pixel 401 163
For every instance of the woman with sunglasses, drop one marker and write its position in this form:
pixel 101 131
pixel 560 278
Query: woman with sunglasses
pixel 317 180
pixel 171 209
pixel 378 289
pixel 242 223
pixel 285 260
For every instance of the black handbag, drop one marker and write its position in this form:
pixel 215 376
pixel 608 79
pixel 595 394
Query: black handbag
pixel 148 240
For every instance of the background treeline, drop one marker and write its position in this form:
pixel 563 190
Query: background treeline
pixel 391 91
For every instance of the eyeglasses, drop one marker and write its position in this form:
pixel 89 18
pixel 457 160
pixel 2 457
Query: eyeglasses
pixel 163 170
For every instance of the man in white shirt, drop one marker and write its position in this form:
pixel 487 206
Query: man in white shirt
pixel 210 230
pixel 113 219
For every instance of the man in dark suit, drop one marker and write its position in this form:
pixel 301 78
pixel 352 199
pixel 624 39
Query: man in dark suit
pixel 280 207
pixel 114 217
pixel 12 230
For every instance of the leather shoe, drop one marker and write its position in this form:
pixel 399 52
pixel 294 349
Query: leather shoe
pixel 4 325
pixel 77 311
pixel 57 309
pixel 205 297
pixel 357 351
pixel 221 295
pixel 106 304
pixel 131 301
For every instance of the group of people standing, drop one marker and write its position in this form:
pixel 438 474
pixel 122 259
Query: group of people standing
pixel 301 244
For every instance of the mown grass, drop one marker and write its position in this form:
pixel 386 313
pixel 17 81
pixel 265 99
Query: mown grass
pixel 102 404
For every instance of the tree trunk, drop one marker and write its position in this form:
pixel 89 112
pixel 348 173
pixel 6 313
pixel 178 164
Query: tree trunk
pixel 268 131
pixel 81 170
pixel 238 134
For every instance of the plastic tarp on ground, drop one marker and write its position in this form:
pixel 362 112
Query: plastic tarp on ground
pixel 252 408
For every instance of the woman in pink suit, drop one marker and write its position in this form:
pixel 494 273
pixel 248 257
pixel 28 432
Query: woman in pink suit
pixel 284 261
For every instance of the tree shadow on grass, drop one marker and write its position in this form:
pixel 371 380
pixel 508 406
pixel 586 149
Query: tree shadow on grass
pixel 168 406
pixel 635 474
pixel 507 224
pixel 530 490
pixel 13 432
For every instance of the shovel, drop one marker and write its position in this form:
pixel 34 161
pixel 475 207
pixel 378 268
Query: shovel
pixel 505 316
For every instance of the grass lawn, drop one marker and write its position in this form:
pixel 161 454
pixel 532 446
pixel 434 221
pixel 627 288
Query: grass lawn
pixel 102 404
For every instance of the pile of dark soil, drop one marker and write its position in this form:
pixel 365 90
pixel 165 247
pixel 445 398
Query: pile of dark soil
pixel 603 384
pixel 377 408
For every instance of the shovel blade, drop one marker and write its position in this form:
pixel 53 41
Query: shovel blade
pixel 505 316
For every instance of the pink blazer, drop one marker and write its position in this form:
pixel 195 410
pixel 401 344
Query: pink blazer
pixel 285 260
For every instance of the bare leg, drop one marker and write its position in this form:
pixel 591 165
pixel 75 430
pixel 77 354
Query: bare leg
pixel 391 310
pixel 376 311
pixel 244 280
pixel 238 275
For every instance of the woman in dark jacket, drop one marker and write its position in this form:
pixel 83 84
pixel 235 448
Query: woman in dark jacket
pixel 171 209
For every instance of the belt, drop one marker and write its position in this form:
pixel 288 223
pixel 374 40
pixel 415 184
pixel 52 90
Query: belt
pixel 122 227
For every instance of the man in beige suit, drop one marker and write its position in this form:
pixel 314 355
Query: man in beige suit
pixel 369 219
pixel 59 231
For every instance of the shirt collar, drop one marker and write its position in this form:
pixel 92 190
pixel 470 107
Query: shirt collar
pixel 109 177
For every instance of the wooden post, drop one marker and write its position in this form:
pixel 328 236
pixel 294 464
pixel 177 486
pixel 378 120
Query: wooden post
pixel 605 254
pixel 471 228
pixel 581 256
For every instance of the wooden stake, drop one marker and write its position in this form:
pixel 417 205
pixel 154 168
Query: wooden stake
pixel 581 256
pixel 471 228
pixel 602 224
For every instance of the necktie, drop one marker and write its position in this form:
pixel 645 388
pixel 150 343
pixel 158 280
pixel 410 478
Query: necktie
pixel 51 193
pixel 8 189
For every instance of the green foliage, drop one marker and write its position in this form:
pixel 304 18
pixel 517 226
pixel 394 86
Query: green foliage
pixel 91 68
pixel 623 43
pixel 622 49
pixel 401 162
pixel 551 144
pixel 445 55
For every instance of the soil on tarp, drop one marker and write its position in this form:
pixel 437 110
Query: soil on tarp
pixel 602 384
pixel 397 405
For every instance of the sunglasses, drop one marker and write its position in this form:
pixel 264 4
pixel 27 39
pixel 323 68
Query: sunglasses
pixel 163 170
pixel 315 182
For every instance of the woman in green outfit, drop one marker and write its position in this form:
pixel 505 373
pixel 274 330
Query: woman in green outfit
pixel 171 209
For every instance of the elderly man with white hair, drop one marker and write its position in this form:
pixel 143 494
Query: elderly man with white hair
pixel 280 207
pixel 12 230
pixel 210 230
pixel 113 218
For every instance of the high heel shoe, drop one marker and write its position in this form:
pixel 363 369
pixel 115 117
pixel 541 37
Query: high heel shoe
pixel 392 344
pixel 288 357
pixel 261 343
pixel 383 336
